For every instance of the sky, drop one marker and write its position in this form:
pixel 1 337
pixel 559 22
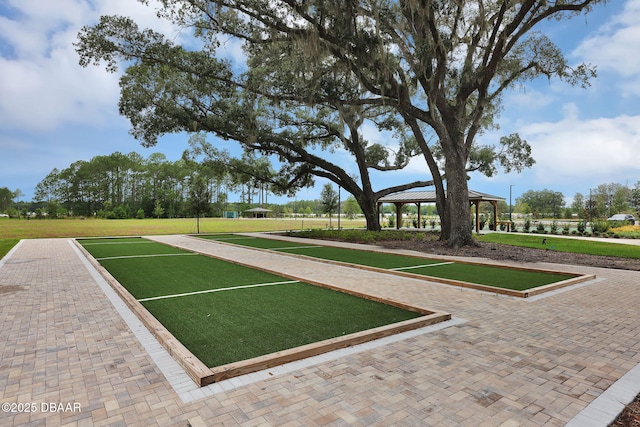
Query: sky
pixel 54 112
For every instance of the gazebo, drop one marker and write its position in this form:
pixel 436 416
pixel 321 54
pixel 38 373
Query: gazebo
pixel 419 197
pixel 257 212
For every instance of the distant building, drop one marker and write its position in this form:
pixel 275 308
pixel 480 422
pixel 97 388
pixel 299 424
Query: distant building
pixel 256 213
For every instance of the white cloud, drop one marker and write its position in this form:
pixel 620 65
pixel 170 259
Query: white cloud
pixel 600 150
pixel 528 98
pixel 42 87
pixel 615 46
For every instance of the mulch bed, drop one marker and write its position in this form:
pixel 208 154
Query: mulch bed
pixel 630 417
pixel 499 252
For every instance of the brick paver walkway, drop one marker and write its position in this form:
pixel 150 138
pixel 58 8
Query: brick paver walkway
pixel 511 362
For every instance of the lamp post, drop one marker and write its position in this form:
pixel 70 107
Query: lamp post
pixel 510 207
pixel 339 208
pixel 590 206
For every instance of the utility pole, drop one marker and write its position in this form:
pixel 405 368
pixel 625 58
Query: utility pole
pixel 338 208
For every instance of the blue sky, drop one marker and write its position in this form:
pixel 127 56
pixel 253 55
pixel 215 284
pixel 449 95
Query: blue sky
pixel 53 112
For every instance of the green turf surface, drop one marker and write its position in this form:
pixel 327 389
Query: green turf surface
pixel 150 277
pixel 517 280
pixel 506 278
pixel 254 242
pixel 372 259
pixel 105 248
pixel 578 246
pixel 229 325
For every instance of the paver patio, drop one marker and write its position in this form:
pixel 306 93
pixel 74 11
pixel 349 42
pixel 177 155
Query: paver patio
pixel 506 361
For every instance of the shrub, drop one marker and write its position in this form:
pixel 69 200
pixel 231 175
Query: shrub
pixel 483 222
pixel 120 212
pixel 599 226
pixel 554 227
pixel 140 214
pixel 527 226
pixel 540 228
pixel 359 236
pixel 628 232
pixel 582 226
pixel 392 221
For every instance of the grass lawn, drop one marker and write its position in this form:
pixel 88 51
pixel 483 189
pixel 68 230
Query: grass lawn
pixel 74 227
pixel 506 278
pixel 6 245
pixel 579 246
pixel 235 324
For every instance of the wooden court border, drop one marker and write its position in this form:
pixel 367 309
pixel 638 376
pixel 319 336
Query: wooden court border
pixel 203 375
pixel 579 278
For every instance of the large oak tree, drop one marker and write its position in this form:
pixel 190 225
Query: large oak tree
pixel 438 66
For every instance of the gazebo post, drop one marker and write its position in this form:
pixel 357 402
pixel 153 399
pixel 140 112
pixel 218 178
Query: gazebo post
pixel 495 214
pixel 418 197
pixel 476 203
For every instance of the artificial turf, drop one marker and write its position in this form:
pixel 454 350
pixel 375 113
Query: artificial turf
pixel 507 278
pixel 107 248
pixel 231 325
pixel 517 280
pixel 372 259
pixel 225 327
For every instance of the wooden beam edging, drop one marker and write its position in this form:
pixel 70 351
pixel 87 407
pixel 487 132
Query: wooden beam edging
pixel 302 352
pixel 203 375
pixel 198 371
pixel 381 249
pixel 559 285
pixel 579 278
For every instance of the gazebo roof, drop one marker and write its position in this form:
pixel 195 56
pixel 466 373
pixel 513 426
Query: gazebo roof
pixel 430 197
pixel 258 210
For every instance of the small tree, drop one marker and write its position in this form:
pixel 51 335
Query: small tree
pixel 329 200
pixel 351 207
pixel 6 198
pixel 199 197
pixel 52 210
pixel 158 210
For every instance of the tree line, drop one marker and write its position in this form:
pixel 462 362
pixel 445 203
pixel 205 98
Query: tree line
pixel 128 185
pixel 603 201
pixel 125 186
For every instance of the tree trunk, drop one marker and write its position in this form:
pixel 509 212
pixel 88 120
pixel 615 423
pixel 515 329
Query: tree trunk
pixel 457 210
pixel 443 209
pixel 373 220
pixel 369 206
